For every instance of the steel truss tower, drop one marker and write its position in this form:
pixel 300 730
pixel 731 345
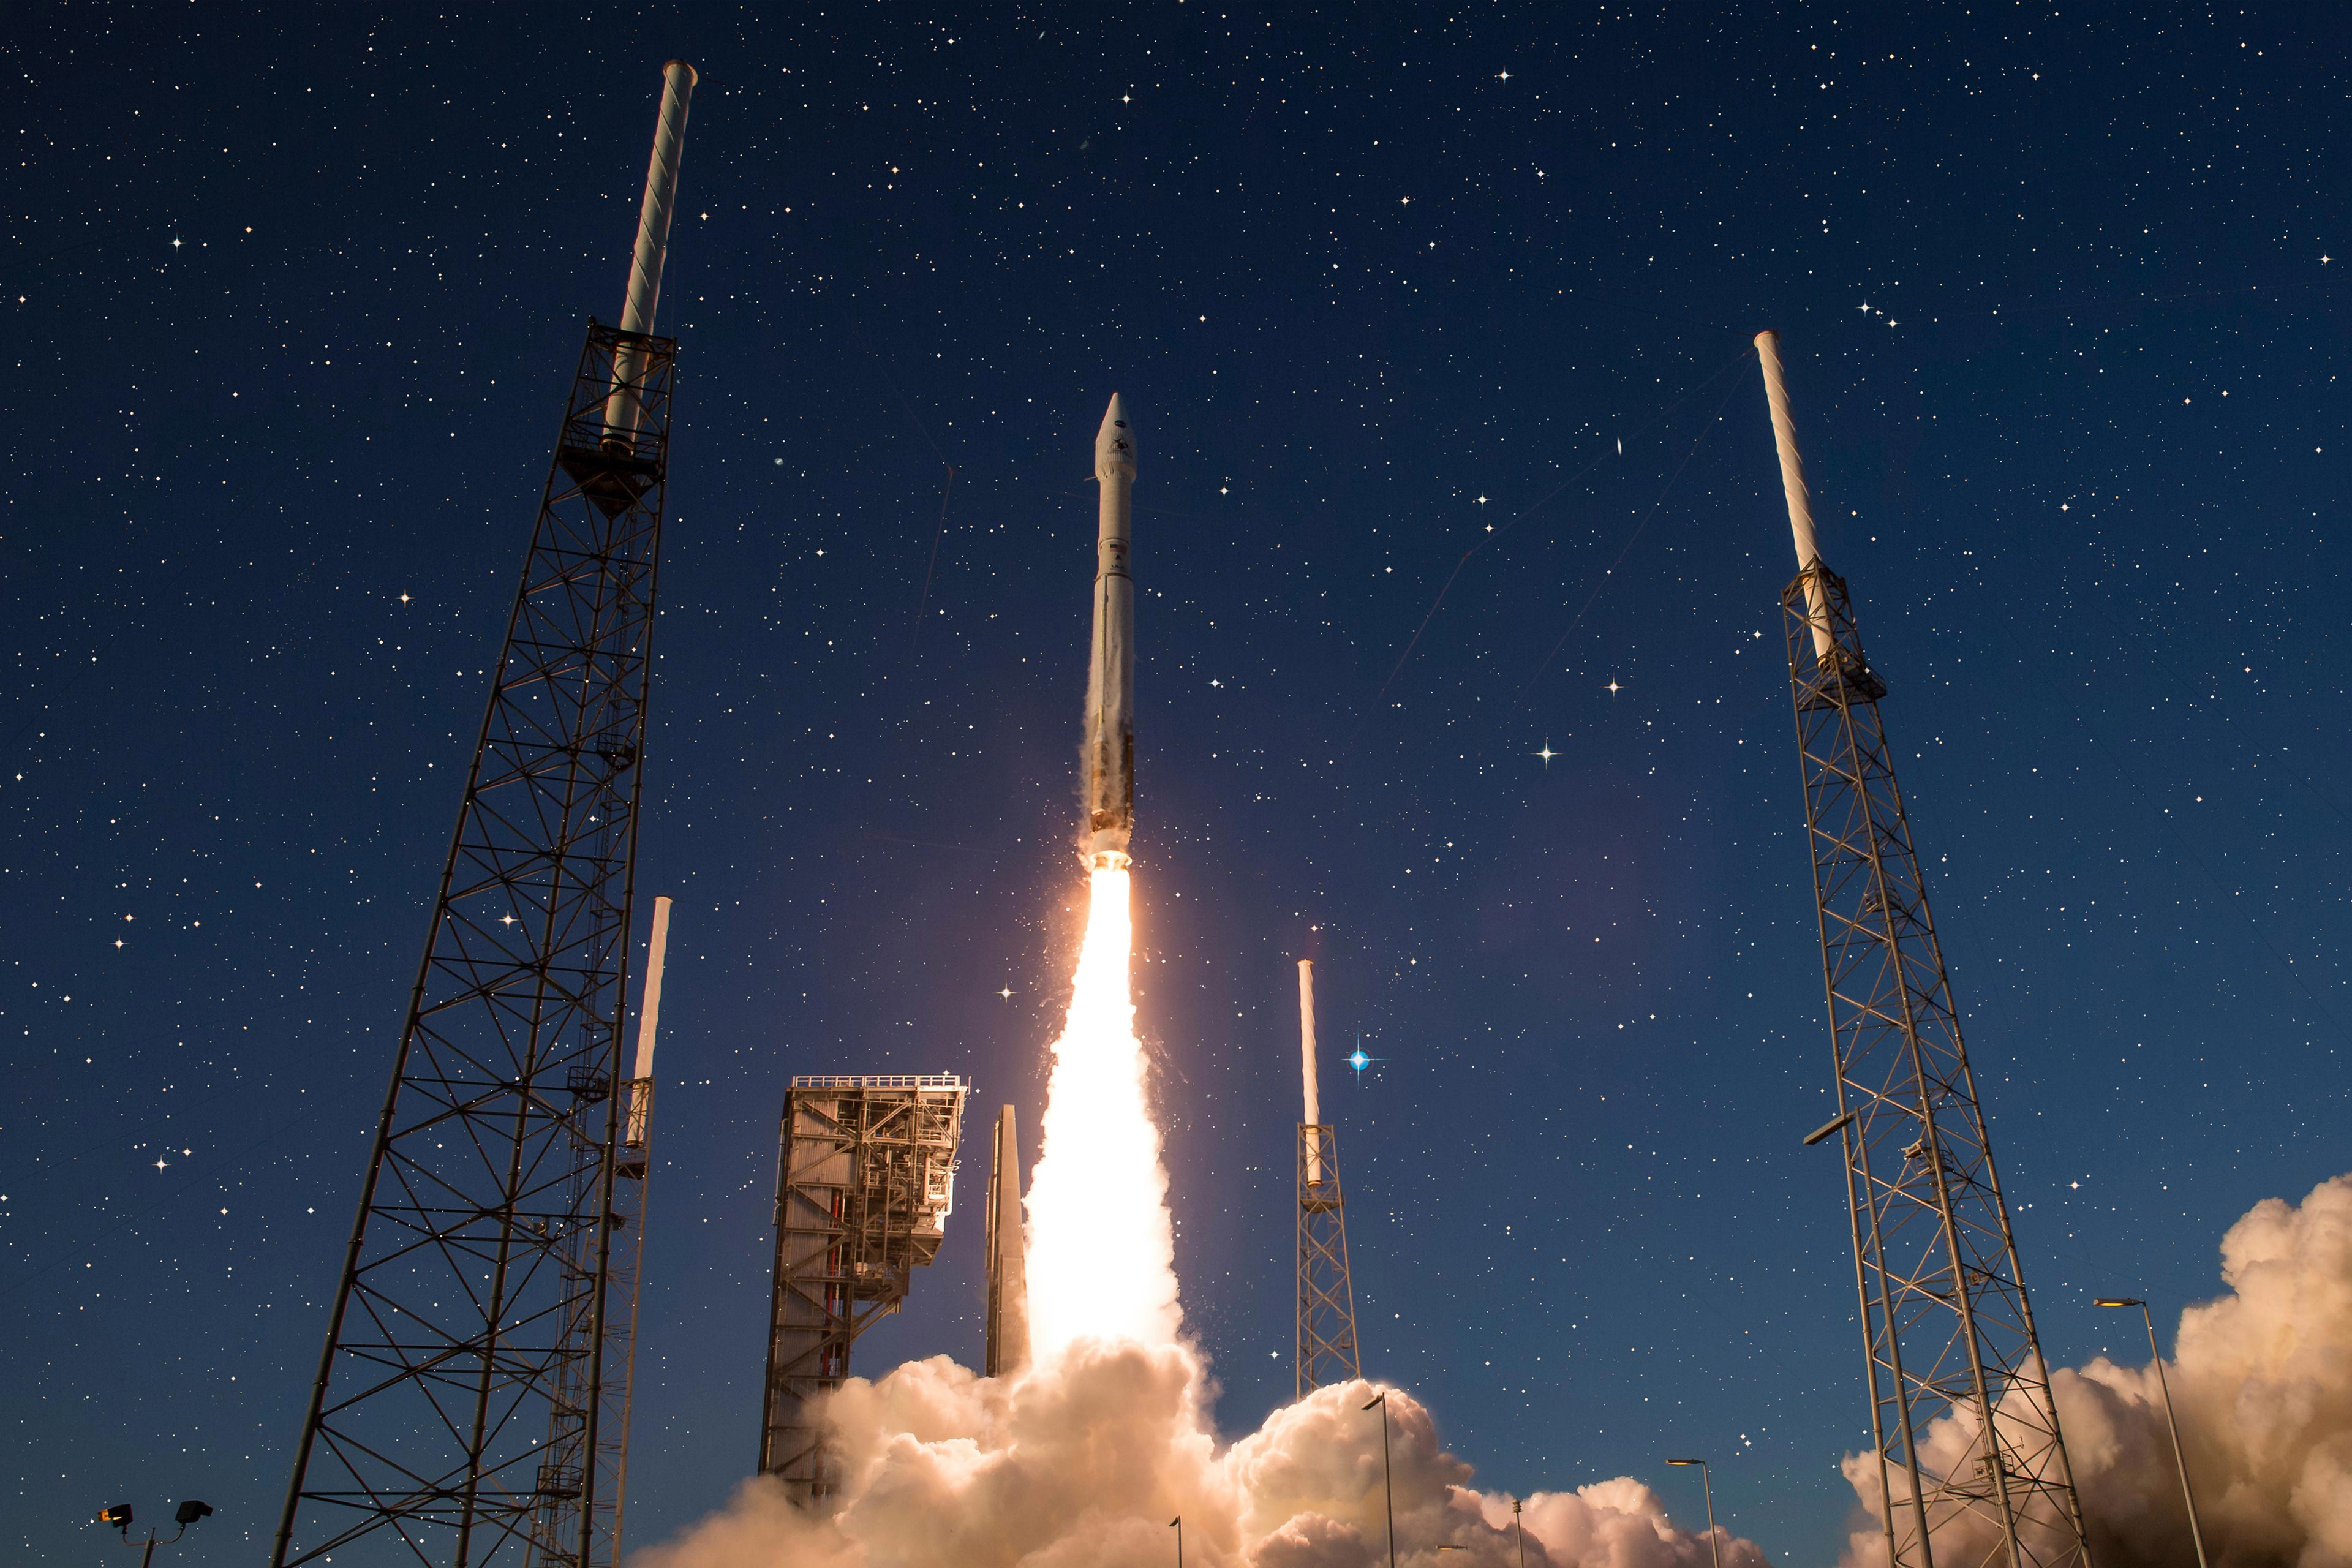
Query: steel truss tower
pixel 1948 1328
pixel 864 1183
pixel 458 1397
pixel 1327 1295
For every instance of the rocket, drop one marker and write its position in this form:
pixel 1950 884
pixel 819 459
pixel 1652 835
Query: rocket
pixel 1109 755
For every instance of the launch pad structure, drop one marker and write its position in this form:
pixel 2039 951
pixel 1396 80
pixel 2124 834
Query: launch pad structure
pixel 1948 1330
pixel 864 1183
pixel 1327 1351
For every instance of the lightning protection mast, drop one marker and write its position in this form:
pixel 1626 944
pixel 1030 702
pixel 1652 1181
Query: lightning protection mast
pixel 457 1402
pixel 1327 1295
pixel 1947 1331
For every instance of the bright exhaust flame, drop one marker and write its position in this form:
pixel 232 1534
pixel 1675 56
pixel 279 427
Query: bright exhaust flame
pixel 1102 1253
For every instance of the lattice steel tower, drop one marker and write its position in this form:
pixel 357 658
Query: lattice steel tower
pixel 1327 1295
pixel 1947 1331
pixel 456 1417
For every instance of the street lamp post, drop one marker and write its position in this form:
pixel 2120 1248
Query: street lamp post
pixel 1707 1481
pixel 118 1516
pixel 1177 1524
pixel 1519 1527
pixel 1387 1490
pixel 2196 1536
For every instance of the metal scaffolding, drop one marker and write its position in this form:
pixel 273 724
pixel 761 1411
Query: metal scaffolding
pixel 1946 1328
pixel 1327 1295
pixel 866 1174
pixel 459 1398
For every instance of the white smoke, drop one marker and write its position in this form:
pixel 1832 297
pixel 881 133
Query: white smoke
pixel 2262 1382
pixel 1083 1463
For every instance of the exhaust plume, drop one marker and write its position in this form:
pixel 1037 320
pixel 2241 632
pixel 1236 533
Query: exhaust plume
pixel 2262 1381
pixel 1102 1252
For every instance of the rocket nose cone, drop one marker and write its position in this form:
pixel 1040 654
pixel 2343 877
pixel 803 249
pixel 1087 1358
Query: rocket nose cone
pixel 1114 443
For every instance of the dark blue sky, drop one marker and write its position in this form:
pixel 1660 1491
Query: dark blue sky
pixel 294 299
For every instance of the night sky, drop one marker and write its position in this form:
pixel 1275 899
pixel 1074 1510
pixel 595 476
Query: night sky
pixel 294 301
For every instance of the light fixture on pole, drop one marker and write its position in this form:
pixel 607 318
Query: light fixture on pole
pixel 118 1516
pixel 1707 1480
pixel 1388 1492
pixel 2196 1536
pixel 1177 1524
pixel 1519 1528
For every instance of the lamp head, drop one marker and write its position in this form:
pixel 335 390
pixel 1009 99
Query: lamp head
pixel 1376 1399
pixel 1700 1463
pixel 191 1511
pixel 2118 1301
pixel 118 1516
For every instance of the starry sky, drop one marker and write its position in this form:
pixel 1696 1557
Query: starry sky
pixel 1413 307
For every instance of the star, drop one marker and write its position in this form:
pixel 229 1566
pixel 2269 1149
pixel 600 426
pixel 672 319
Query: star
pixel 1502 75
pixel 1006 994
pixel 1614 686
pixel 507 920
pixel 1125 99
pixel 176 245
pixel 118 941
pixel 1547 754
pixel 159 1164
pixel 404 598
pixel 1482 500
pixel 1359 1061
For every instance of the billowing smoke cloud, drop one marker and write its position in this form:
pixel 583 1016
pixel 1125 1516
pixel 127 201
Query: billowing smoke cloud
pixel 1083 1463
pixel 2262 1386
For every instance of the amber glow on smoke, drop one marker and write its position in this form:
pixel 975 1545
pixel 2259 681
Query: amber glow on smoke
pixel 1102 1260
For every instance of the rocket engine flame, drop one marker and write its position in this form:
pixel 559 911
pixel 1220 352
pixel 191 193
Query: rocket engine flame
pixel 1101 1249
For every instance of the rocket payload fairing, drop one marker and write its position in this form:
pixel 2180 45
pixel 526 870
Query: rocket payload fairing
pixel 1110 758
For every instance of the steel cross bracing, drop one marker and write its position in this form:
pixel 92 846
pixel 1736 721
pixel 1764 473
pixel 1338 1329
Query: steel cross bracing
pixel 1326 1295
pixel 865 1183
pixel 460 1394
pixel 1948 1330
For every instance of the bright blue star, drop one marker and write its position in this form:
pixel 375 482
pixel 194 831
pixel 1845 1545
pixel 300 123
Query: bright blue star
pixel 1359 1061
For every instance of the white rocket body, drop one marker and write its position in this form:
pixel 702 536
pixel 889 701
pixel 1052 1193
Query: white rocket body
pixel 1110 757
pixel 1793 485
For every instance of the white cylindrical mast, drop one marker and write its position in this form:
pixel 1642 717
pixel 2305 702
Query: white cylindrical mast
pixel 648 1021
pixel 653 240
pixel 1307 1068
pixel 1792 482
